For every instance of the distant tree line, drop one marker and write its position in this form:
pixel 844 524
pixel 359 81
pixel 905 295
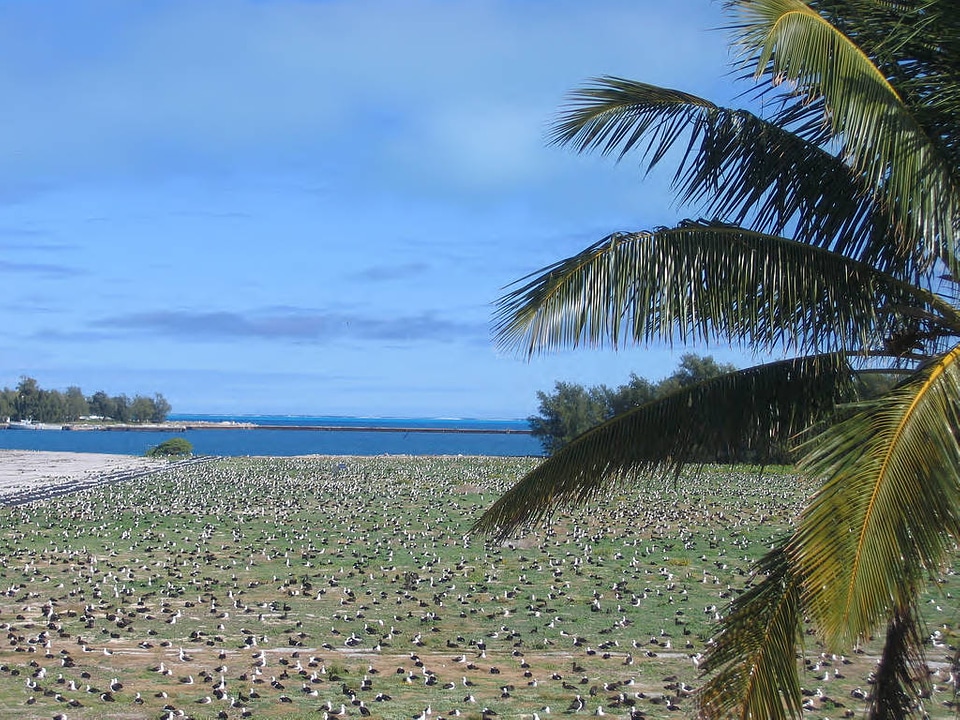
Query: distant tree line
pixel 28 401
pixel 572 409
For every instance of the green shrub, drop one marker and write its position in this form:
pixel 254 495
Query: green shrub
pixel 174 447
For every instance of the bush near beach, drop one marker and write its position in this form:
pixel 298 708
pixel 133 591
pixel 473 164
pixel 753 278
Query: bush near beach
pixel 174 447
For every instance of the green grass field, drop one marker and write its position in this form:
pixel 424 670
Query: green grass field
pixel 293 587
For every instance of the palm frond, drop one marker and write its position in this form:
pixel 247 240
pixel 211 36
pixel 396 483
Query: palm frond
pixel 617 116
pixel 748 409
pixel 916 46
pixel 901 677
pixel 890 504
pixel 753 660
pixel 703 281
pixel 737 166
pixel 788 42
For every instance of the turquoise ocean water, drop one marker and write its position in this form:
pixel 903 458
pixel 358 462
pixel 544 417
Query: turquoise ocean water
pixel 393 437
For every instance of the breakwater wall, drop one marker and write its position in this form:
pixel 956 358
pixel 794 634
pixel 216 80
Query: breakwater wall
pixel 184 427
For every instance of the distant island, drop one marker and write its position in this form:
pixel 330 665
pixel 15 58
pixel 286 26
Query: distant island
pixel 30 406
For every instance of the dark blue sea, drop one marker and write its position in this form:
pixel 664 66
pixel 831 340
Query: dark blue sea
pixel 394 436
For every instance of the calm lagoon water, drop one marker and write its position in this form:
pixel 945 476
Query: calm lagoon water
pixel 259 441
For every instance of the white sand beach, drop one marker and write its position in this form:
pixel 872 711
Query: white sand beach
pixel 26 470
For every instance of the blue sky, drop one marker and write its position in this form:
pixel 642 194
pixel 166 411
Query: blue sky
pixel 310 207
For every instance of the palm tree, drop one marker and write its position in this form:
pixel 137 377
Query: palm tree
pixel 828 236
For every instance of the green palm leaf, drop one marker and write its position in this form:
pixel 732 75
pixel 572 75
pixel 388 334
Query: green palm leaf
pixel 734 164
pixel 902 675
pixel 617 116
pixel 859 161
pixel 701 281
pixel 789 42
pixel 753 659
pixel 890 507
pixel 916 46
pixel 748 409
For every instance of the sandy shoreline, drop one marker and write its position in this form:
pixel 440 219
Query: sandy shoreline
pixel 28 470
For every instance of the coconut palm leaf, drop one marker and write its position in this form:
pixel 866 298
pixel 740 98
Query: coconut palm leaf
pixel 890 506
pixel 746 410
pixel 858 160
pixel 901 678
pixel 916 47
pixel 787 41
pixel 736 165
pixel 616 116
pixel 753 661
pixel 703 281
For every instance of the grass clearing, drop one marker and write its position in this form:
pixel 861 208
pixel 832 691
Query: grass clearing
pixel 285 587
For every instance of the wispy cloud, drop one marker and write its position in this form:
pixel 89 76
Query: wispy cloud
pixel 383 273
pixel 41 269
pixel 298 326
pixel 31 246
pixel 33 240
